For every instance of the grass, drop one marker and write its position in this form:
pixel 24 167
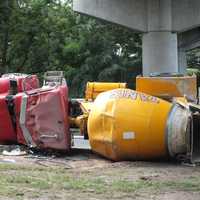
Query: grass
pixel 19 181
pixel 156 186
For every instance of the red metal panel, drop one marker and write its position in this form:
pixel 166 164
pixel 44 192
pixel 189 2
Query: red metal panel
pixel 7 133
pixel 7 127
pixel 24 83
pixel 27 83
pixel 4 85
pixel 46 119
pixel 18 100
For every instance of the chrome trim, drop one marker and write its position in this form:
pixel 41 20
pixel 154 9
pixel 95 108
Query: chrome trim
pixel 168 132
pixel 25 131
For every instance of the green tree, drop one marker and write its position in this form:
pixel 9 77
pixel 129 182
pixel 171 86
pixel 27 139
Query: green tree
pixel 41 35
pixel 193 57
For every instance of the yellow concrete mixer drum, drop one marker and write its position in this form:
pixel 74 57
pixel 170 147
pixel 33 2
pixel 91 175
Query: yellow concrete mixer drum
pixel 128 125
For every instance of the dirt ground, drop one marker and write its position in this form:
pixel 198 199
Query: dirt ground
pixel 84 175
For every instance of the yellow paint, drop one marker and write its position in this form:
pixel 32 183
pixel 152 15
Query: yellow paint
pixel 81 120
pixel 86 106
pixel 125 124
pixel 95 88
pixel 168 87
pixel 181 100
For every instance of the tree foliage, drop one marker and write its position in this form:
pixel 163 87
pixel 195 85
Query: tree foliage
pixel 40 35
pixel 194 58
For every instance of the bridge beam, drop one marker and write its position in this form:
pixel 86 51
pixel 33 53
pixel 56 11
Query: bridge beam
pixel 158 20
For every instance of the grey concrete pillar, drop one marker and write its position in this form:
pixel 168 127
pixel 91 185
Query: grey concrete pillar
pixel 160 53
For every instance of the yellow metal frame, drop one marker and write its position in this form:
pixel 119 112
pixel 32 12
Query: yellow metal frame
pixel 168 87
pixel 93 89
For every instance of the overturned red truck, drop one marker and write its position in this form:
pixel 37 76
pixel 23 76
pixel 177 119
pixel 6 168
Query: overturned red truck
pixel 32 115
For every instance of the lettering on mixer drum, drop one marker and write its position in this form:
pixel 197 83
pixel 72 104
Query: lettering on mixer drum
pixel 130 94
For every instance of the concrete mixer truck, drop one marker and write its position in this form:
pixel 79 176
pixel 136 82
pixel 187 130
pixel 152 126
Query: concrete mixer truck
pixel 159 119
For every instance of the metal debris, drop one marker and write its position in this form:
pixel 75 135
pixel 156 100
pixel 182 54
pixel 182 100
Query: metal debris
pixel 14 152
pixel 12 161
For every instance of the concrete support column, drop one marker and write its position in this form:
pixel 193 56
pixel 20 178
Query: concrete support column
pixel 160 53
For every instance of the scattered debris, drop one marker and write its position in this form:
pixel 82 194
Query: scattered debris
pixel 149 178
pixel 14 152
pixel 189 164
pixel 7 161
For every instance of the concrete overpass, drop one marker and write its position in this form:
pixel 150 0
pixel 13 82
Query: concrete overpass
pixel 169 27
